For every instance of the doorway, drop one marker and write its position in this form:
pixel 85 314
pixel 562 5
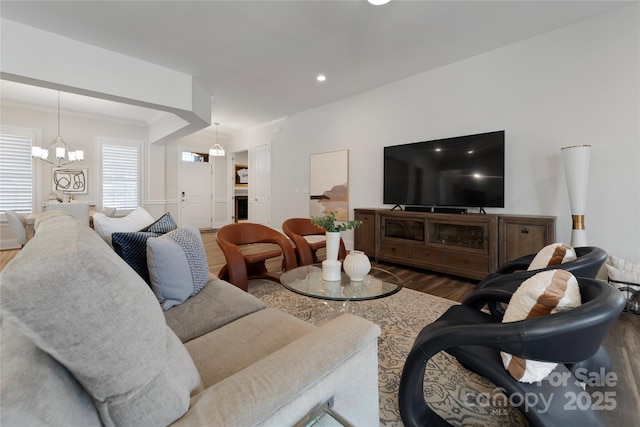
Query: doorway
pixel 196 191
pixel 241 182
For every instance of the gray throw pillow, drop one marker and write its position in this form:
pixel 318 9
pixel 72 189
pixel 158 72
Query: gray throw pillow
pixel 178 266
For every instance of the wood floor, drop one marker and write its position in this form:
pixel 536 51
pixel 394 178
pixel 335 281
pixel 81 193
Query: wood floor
pixel 622 343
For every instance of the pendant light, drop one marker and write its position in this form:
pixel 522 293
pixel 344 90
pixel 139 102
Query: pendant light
pixel 216 150
pixel 58 152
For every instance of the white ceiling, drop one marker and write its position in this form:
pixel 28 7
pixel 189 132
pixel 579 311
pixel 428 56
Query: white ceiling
pixel 259 59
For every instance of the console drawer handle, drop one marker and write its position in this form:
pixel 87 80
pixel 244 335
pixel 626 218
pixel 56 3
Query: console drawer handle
pixel 524 230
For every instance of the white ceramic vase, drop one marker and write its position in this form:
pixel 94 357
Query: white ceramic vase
pixel 331 270
pixel 356 265
pixel 332 245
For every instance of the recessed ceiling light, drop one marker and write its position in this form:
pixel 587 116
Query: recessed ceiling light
pixel 321 78
pixel 378 2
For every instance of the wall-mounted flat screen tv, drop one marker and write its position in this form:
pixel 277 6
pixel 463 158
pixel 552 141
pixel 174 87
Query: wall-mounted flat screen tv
pixel 464 171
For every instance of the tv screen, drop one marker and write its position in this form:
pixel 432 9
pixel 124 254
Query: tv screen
pixel 465 171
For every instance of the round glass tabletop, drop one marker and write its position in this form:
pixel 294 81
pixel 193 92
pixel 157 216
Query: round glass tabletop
pixel 307 280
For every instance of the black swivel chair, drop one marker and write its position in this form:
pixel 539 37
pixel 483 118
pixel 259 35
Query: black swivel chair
pixel 589 260
pixel 476 338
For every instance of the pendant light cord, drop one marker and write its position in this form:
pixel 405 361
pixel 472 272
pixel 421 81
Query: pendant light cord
pixel 58 113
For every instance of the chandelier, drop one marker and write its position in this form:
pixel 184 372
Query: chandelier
pixel 216 149
pixel 58 152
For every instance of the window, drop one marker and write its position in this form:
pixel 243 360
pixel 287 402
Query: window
pixel 121 175
pixel 190 156
pixel 16 173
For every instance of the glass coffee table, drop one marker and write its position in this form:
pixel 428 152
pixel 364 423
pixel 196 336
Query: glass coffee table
pixel 307 280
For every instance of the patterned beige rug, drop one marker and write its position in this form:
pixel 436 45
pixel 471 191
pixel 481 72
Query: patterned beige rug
pixel 451 390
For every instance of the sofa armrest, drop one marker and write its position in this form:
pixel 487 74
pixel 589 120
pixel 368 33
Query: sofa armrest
pixel 338 359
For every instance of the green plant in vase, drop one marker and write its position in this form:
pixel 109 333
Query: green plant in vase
pixel 331 266
pixel 328 223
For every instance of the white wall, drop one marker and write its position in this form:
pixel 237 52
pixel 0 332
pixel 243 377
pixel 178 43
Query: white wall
pixel 577 85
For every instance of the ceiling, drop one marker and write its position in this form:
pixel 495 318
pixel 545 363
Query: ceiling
pixel 259 59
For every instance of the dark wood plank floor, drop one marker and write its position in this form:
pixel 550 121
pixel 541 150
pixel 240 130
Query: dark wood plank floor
pixel 623 341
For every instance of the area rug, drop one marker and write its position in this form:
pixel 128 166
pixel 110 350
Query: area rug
pixel 456 394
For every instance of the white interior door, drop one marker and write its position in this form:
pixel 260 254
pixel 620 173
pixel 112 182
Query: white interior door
pixel 196 194
pixel 260 182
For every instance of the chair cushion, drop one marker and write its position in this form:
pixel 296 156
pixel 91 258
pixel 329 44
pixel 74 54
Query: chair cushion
pixel 553 254
pixel 623 270
pixel 178 266
pixel 78 301
pixel 544 293
pixel 105 226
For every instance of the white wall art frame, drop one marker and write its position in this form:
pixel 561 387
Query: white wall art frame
pixel 70 181
pixel 329 184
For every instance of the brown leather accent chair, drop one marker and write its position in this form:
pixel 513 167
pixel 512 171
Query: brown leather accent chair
pixel 243 265
pixel 296 229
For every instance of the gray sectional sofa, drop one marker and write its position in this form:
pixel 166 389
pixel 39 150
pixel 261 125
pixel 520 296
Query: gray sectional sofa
pixel 85 342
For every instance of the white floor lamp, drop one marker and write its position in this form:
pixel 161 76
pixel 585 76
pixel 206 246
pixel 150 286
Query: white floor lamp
pixel 576 171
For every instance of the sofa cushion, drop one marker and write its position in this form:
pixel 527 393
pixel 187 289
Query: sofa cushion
pixel 545 293
pixel 217 304
pixel 178 266
pixel 553 254
pixel 105 226
pixel 623 270
pixel 132 248
pixel 225 351
pixel 77 300
pixel 37 390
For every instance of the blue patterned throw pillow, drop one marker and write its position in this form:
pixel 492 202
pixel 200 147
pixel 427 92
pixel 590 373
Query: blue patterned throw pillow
pixel 162 225
pixel 178 266
pixel 132 247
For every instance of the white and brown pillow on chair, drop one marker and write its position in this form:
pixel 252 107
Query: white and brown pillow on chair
pixel 550 255
pixel 545 293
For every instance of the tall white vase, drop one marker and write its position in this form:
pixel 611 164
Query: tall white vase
pixel 333 245
pixel 331 266
pixel 576 171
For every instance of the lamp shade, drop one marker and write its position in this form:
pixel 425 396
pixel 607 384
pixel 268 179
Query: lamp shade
pixel 576 171
pixel 216 150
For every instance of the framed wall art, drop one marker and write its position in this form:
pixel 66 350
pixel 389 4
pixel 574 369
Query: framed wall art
pixel 329 184
pixel 69 181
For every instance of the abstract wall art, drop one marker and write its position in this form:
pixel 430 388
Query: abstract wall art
pixel 329 184
pixel 69 181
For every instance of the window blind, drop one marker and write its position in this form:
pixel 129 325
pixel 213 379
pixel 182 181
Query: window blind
pixel 16 174
pixel 120 176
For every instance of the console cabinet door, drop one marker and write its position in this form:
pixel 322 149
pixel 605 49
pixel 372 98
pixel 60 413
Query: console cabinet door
pixel 365 235
pixel 524 235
